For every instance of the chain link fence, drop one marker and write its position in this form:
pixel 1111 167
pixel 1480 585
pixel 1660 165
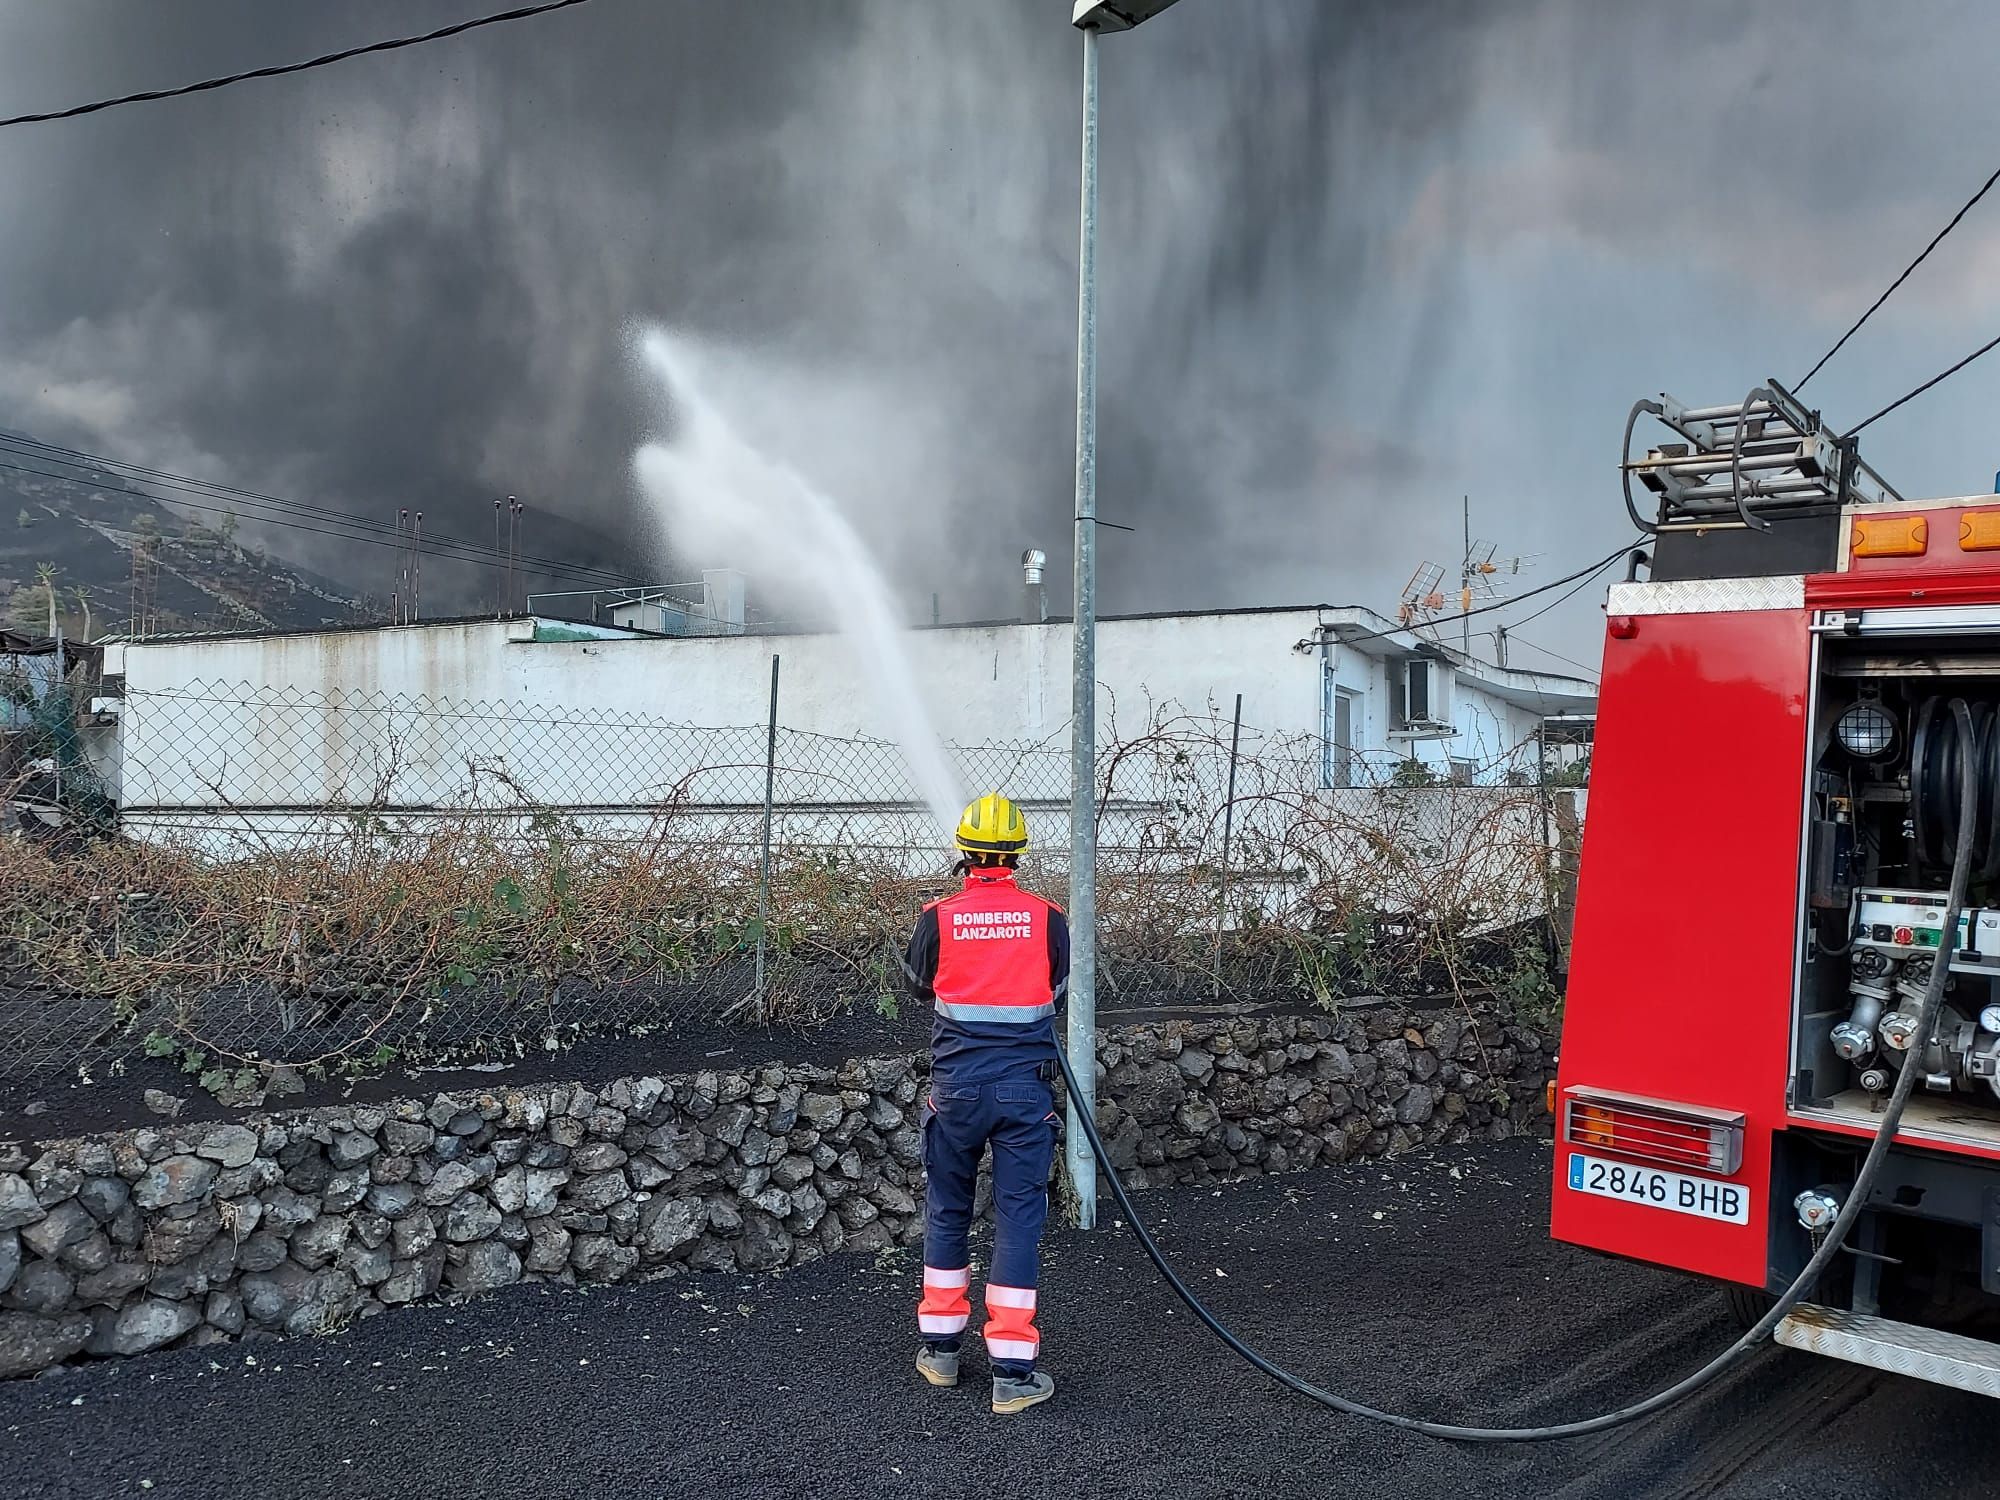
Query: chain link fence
pixel 329 880
pixel 233 771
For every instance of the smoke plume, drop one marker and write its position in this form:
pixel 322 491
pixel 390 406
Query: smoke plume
pixel 1357 259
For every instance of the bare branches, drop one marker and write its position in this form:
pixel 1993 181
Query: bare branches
pixel 316 879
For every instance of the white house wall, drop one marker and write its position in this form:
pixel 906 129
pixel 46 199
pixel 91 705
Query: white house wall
pixel 239 743
pixel 1490 732
pixel 983 685
pixel 236 720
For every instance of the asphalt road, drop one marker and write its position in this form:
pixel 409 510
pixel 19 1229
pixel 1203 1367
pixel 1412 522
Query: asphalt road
pixel 1429 1286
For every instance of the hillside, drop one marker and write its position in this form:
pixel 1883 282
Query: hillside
pixel 85 522
pixel 86 528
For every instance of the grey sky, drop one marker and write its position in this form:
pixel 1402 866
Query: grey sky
pixel 1360 257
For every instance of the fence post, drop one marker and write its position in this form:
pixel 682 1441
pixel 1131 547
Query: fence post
pixel 1228 828
pixel 1569 859
pixel 1551 940
pixel 764 863
pixel 59 692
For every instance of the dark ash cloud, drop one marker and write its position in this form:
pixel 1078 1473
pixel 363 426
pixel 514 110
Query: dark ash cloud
pixel 1352 255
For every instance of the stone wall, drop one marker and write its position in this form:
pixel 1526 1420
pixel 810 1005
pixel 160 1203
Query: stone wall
pixel 299 1223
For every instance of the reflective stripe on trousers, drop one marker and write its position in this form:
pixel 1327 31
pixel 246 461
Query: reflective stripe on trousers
pixel 945 1309
pixel 1010 1324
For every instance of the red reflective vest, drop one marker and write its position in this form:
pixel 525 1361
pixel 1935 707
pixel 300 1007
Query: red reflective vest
pixel 994 959
pixel 993 953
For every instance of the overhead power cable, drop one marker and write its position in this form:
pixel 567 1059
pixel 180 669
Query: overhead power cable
pixel 1941 376
pixel 1586 574
pixel 1581 666
pixel 255 506
pixel 1515 638
pixel 1936 240
pixel 1564 598
pixel 352 528
pixel 428 547
pixel 521 14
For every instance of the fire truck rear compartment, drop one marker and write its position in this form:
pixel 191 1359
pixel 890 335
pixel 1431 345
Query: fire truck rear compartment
pixel 1798 768
pixel 1923 1252
pixel 1882 807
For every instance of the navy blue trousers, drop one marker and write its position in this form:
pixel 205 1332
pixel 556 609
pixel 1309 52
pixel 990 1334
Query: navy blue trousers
pixel 1016 1116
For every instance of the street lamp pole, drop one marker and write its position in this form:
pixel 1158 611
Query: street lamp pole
pixel 1082 1006
pixel 1080 1037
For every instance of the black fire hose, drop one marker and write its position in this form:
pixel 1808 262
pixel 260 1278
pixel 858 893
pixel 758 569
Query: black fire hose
pixel 1836 1237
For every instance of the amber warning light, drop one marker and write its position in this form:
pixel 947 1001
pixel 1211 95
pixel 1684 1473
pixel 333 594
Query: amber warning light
pixel 1674 1135
pixel 1890 536
pixel 1979 531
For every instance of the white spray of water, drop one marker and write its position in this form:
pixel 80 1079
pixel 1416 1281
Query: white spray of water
pixel 720 496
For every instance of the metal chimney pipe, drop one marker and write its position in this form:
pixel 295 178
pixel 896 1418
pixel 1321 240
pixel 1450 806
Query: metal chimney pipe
pixel 1034 598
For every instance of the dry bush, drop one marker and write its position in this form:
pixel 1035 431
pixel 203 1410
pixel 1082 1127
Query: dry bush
pixel 1400 885
pixel 337 941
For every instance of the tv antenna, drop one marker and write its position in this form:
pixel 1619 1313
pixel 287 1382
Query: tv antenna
pixel 1482 576
pixel 1422 595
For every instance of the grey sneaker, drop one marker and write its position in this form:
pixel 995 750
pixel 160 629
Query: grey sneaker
pixel 938 1366
pixel 1010 1396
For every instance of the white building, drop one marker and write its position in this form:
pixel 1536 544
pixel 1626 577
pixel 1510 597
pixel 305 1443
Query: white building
pixel 716 605
pixel 1371 693
pixel 245 742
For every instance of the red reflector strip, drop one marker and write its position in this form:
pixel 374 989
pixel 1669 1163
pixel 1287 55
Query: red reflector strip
pixel 1679 1136
pixel 1638 1143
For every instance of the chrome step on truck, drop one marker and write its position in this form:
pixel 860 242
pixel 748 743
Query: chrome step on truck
pixel 1899 1348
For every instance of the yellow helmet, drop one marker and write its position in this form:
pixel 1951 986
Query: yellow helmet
pixel 992 825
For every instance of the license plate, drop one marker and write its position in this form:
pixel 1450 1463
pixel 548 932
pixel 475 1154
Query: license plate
pixel 1703 1197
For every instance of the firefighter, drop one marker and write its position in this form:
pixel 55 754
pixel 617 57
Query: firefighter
pixel 995 959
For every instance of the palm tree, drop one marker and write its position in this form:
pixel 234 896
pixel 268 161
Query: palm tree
pixel 45 575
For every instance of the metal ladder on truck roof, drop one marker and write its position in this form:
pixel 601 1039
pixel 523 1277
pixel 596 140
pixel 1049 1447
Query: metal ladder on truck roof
pixel 1767 457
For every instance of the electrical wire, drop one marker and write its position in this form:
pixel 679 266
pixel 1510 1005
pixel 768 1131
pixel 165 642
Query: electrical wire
pixel 77 458
pixel 1515 637
pixel 1562 599
pixel 1936 379
pixel 1834 1241
pixel 1935 241
pixel 426 547
pixel 1585 574
pixel 521 14
pixel 375 533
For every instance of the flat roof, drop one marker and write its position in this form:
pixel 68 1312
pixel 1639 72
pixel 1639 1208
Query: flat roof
pixel 753 628
pixel 1353 625
pixel 363 627
pixel 1361 629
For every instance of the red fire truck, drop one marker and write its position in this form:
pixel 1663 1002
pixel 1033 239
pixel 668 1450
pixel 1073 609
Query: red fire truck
pixel 1774 814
